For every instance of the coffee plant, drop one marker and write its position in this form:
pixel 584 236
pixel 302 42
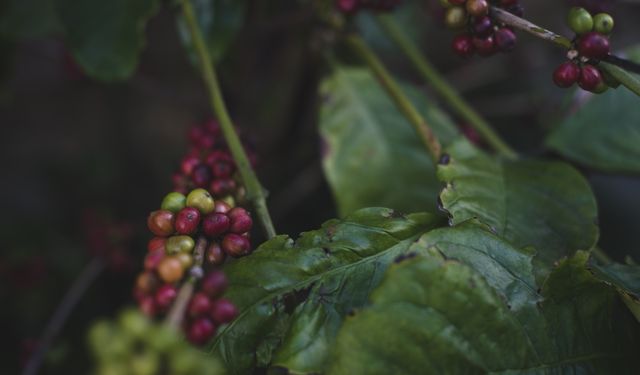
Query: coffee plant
pixel 457 247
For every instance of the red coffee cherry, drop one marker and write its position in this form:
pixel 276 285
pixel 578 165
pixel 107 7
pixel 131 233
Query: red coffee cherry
pixel 222 169
pixel 156 243
pixel 148 306
pixel 463 45
pixel 593 45
pixel 153 259
pixel 236 245
pixel 484 46
pixel 505 39
pixel 222 207
pixel 223 311
pixel 187 220
pixel 199 305
pixel 200 331
pixel 161 223
pixel 215 224
pixel 482 26
pixel 165 295
pixel 201 175
pixel 241 221
pixel 566 74
pixel 223 186
pixel 590 78
pixel 188 164
pixel 214 283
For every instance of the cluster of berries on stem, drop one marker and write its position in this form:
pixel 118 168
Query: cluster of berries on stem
pixel 353 6
pixel 590 45
pixel 194 234
pixel 478 32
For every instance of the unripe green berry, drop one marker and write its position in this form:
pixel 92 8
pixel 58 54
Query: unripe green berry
pixel 580 20
pixel 145 363
pixel 456 18
pixel 602 87
pixel 603 23
pixel 179 244
pixel 133 322
pixel 202 200
pixel 173 202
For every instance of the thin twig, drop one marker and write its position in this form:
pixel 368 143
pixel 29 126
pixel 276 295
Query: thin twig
pixel 443 88
pixel 426 134
pixel 176 314
pixel 79 287
pixel 255 191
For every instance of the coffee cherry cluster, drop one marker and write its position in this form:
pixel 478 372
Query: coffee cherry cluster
pixel 182 221
pixel 209 164
pixel 135 345
pixel 479 33
pixel 590 45
pixel 352 6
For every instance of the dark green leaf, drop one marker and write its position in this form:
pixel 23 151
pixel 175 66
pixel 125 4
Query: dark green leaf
pixel 547 205
pixel 27 19
pixel 372 155
pixel 106 37
pixel 603 132
pixel 625 278
pixel 292 296
pixel 220 21
pixel 435 316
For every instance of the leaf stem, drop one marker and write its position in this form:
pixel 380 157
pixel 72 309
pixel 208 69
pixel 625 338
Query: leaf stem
pixel 612 66
pixel 255 191
pixel 176 314
pixel 79 287
pixel 426 134
pixel 443 88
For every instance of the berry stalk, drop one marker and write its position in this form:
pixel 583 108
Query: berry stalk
pixel 443 88
pixel 624 77
pixel 255 191
pixel 177 312
pixel 426 134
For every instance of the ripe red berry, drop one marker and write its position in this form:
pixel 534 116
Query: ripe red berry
pixel 566 74
pixel 156 243
pixel 187 220
pixel 222 207
pixel 593 45
pixel 590 78
pixel 484 46
pixel 241 221
pixel 165 295
pixel 505 39
pixel 215 255
pixel 463 45
pixel 199 305
pixel 214 283
pixel 200 331
pixel 201 175
pixel 215 224
pixel 223 311
pixel 148 306
pixel 223 186
pixel 222 169
pixel 188 164
pixel 153 259
pixel 161 223
pixel 347 6
pixel 236 245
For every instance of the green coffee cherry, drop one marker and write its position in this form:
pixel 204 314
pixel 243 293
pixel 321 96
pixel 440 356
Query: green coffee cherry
pixel 99 336
pixel 455 18
pixel 145 363
pixel 202 200
pixel 179 244
pixel 580 20
pixel 602 87
pixel 134 323
pixel 173 202
pixel 603 23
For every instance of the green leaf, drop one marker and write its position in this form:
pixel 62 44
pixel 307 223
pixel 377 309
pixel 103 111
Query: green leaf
pixel 219 20
pixel 435 316
pixel 20 19
pixel 603 132
pixel 625 278
pixel 106 37
pixel 547 205
pixel 292 296
pixel 372 156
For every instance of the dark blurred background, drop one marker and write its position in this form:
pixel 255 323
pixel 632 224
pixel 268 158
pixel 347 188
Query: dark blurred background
pixel 85 161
